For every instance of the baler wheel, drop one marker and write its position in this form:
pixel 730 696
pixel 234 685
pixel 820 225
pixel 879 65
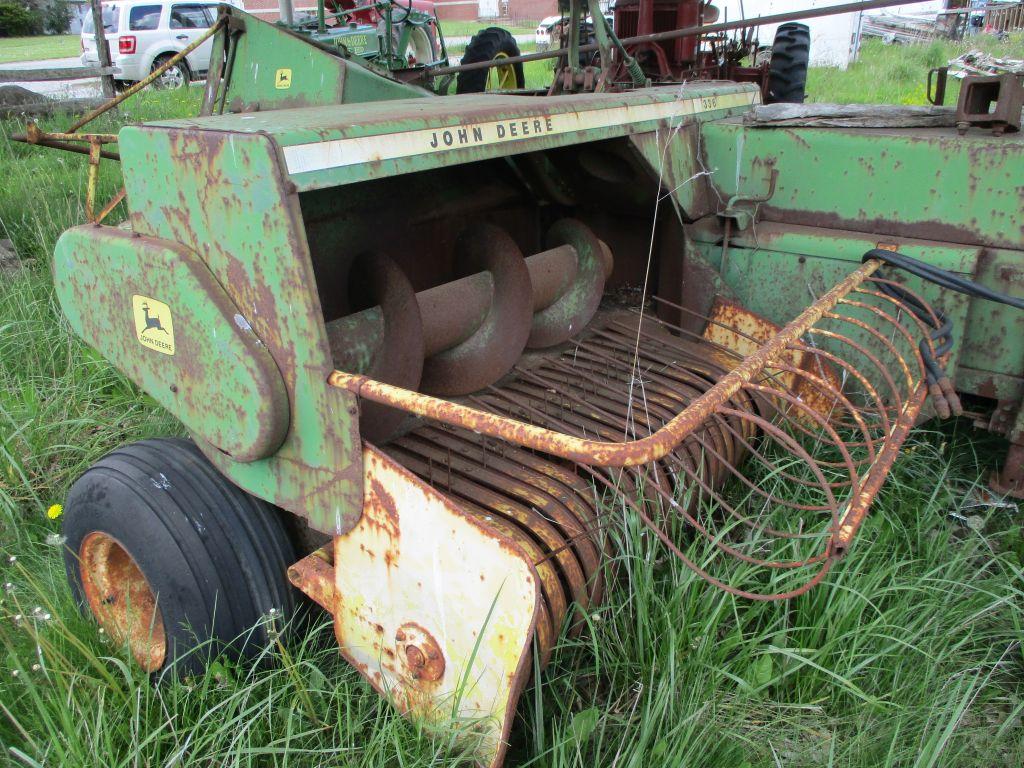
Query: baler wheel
pixel 787 76
pixel 486 45
pixel 174 560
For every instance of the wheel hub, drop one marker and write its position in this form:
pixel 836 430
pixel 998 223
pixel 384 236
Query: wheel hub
pixel 122 600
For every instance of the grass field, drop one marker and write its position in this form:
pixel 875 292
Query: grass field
pixel 39 47
pixel 887 74
pixel 910 653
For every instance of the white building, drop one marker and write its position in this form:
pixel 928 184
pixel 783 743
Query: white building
pixel 833 38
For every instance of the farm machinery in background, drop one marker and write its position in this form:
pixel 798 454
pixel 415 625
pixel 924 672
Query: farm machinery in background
pixel 393 35
pixel 405 41
pixel 433 352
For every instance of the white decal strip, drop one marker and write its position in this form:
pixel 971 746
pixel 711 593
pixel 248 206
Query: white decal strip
pixel 317 156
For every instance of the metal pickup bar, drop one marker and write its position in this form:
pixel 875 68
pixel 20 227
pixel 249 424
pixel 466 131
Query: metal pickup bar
pixel 600 453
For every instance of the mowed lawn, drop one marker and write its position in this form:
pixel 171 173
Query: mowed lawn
pixel 909 655
pixel 39 47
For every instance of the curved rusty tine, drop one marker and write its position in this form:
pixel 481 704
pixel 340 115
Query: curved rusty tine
pixel 883 370
pixel 705 375
pixel 672 372
pixel 901 308
pixel 837 396
pixel 596 406
pixel 855 372
pixel 731 467
pixel 704 365
pixel 826 420
pixel 502 476
pixel 513 405
pixel 825 426
pixel 725 548
pixel 775 470
pixel 698 339
pixel 637 472
pixel 936 322
pixel 653 397
pixel 781 437
pixel 899 357
pixel 858 507
pixel 706 319
pixel 864 449
pixel 794 447
pixel 755 488
pixel 667 541
pixel 683 365
pixel 911 292
pixel 595 423
pixel 463 487
pixel 926 332
pixel 715 539
pixel 580 534
pixel 510 407
pixel 610 418
pixel 594 360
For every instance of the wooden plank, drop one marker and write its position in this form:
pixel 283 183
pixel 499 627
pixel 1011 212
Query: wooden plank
pixel 59 73
pixel 50 107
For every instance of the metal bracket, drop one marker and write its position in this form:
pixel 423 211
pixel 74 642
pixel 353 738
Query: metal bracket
pixel 742 216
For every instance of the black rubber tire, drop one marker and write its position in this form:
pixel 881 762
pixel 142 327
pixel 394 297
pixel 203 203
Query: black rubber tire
pixel 787 74
pixel 485 45
pixel 215 556
pixel 182 66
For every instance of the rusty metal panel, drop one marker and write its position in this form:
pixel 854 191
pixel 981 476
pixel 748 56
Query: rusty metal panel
pixel 171 328
pixel 333 145
pixel 435 609
pixel 775 266
pixel 226 197
pixel 926 183
pixel 272 68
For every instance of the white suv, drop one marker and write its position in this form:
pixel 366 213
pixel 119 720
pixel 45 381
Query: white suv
pixel 143 34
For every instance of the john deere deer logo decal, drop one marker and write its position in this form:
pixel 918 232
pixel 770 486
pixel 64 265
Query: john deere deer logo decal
pixel 283 79
pixel 154 327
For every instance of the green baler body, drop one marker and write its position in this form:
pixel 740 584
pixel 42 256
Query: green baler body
pixel 269 205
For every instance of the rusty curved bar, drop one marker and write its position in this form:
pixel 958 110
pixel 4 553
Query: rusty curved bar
pixel 610 454
pixel 858 507
pixel 826 561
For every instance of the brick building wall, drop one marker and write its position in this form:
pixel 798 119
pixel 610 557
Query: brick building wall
pixel 463 10
pixel 531 10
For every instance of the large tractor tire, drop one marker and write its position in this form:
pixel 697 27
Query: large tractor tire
pixel 488 44
pixel 787 75
pixel 175 561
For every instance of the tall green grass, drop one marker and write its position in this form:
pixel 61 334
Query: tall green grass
pixel 909 654
pixel 896 74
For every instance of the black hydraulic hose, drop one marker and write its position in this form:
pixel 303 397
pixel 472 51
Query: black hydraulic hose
pixel 939 385
pixel 942 277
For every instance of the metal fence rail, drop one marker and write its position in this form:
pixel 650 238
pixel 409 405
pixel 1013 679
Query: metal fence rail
pixel 1004 18
pixel 53 73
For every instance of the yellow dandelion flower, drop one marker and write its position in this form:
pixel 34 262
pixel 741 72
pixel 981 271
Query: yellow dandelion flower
pixel 55 511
